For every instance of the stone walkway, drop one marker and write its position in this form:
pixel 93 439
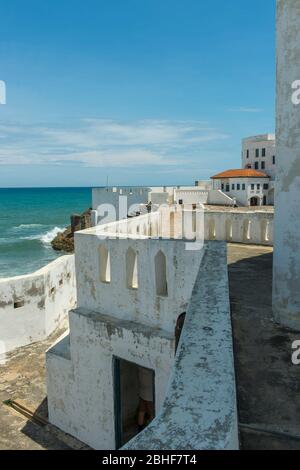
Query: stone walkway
pixel 23 379
pixel 268 383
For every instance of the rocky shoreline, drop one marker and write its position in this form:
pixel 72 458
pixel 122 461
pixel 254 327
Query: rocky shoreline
pixel 64 241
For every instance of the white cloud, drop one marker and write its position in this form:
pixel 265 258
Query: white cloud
pixel 106 143
pixel 244 109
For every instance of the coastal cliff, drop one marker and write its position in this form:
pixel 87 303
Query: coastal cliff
pixel 64 241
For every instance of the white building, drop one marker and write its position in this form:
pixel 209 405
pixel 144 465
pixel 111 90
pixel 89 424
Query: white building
pixel 133 286
pixel 259 153
pixel 246 187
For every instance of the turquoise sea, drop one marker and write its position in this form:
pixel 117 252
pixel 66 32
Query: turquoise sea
pixel 29 220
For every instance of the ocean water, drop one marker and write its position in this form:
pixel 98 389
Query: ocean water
pixel 30 219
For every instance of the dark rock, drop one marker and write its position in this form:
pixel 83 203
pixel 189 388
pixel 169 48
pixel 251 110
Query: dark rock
pixel 64 241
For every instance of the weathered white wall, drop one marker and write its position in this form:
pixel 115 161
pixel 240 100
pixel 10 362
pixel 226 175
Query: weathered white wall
pixel 111 196
pixel 286 292
pixel 48 295
pixel 239 227
pixel 200 410
pixel 218 197
pixel 192 195
pixel 141 304
pixel 80 383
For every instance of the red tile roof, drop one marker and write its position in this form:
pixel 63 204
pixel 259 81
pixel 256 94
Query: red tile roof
pixel 241 173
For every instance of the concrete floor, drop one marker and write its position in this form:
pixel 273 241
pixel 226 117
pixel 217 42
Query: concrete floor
pixel 268 384
pixel 22 379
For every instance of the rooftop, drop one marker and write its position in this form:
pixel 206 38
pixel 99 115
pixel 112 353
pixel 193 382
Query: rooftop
pixel 240 173
pixel 260 138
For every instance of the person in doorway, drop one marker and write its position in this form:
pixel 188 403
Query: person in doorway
pixel 146 409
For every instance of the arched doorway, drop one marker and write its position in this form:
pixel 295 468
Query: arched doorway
pixel 254 201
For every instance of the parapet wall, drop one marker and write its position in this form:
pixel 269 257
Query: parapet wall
pixel 34 305
pixel 242 226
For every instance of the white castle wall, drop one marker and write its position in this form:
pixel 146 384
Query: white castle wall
pixel 242 226
pixel 141 304
pixel 192 195
pixel 115 320
pixel 200 410
pixel 80 384
pixel 33 306
pixel 286 292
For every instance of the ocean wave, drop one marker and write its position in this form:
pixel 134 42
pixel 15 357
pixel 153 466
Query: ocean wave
pixel 27 226
pixel 45 238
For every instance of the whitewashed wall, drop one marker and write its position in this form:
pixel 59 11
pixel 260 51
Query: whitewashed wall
pixel 33 306
pixel 200 410
pixel 141 304
pixel 191 195
pixel 286 281
pixel 240 227
pixel 80 382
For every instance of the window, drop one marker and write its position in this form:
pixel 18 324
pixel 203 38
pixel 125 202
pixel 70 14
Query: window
pixel 131 269
pixel 274 160
pixel 104 264
pixel 252 187
pixel 19 304
pixel 233 187
pixel 180 201
pixel 238 187
pixel 161 274
pixel 263 152
pixel 263 165
pixel 222 186
pixel 256 166
pixel 247 154
pixel 258 187
pixel 227 188
pixel 243 187
pixel 257 153
pixel 266 186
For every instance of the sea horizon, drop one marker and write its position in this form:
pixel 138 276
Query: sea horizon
pixel 29 220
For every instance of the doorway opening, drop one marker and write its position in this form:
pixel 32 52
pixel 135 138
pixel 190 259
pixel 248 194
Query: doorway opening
pixel 134 398
pixel 254 201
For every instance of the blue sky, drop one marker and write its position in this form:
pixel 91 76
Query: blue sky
pixel 140 91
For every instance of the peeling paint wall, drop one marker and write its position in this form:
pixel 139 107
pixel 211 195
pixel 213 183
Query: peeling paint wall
pixel 138 325
pixel 286 282
pixel 141 304
pixel 80 377
pixel 33 306
pixel 200 409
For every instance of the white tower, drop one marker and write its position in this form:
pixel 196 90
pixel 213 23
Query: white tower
pixel 286 276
